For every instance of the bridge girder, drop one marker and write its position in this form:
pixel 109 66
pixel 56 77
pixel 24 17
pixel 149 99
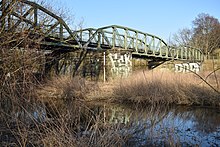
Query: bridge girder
pixel 55 33
pixel 141 44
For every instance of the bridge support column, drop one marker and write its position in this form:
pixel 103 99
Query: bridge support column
pixel 121 64
pixel 187 67
pixel 51 64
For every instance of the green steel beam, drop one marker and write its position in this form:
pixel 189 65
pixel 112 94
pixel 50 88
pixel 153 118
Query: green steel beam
pixel 108 37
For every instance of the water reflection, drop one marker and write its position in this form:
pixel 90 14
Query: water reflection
pixel 162 126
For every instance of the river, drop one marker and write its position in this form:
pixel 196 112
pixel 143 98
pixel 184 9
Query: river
pixel 184 126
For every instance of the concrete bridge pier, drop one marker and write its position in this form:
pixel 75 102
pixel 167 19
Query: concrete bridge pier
pixel 187 67
pixel 120 64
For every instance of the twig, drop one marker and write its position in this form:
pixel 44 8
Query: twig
pixel 204 80
pixel 216 79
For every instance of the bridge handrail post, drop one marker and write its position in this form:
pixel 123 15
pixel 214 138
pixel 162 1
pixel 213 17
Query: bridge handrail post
pixel 190 54
pixel 145 43
pixel 90 33
pixel 182 52
pixel 177 53
pixel 196 54
pixel 161 48
pixel 103 37
pixel 113 36
pixel 171 52
pixel 99 40
pixel 199 55
pixel 136 42
pixel 193 53
pixel 125 38
pixel 153 41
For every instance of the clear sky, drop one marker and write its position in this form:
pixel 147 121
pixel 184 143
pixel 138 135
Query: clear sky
pixel 158 17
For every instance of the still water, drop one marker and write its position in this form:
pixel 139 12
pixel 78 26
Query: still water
pixel 184 126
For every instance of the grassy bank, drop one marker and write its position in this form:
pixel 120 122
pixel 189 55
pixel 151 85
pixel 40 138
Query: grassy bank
pixel 165 88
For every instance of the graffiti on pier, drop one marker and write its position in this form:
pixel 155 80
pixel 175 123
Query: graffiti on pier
pixel 121 64
pixel 187 67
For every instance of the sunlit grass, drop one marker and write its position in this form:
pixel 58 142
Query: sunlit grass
pixel 165 88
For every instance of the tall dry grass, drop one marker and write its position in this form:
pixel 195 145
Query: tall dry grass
pixel 165 88
pixel 59 93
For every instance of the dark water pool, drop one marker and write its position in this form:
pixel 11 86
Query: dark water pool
pixel 184 126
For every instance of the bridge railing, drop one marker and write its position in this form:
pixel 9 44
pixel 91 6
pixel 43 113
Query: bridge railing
pixel 186 53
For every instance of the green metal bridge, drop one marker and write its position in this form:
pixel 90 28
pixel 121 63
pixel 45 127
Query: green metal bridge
pixel 52 33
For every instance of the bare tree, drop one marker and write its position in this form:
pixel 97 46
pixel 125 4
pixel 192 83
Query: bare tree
pixel 206 31
pixel 182 37
pixel 205 34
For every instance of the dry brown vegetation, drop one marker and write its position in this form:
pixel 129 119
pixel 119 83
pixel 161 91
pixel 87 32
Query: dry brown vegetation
pixel 40 112
pixel 165 88
pixel 71 120
pixel 55 112
pixel 58 115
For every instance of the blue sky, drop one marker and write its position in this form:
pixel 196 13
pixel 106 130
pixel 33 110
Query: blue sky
pixel 158 17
